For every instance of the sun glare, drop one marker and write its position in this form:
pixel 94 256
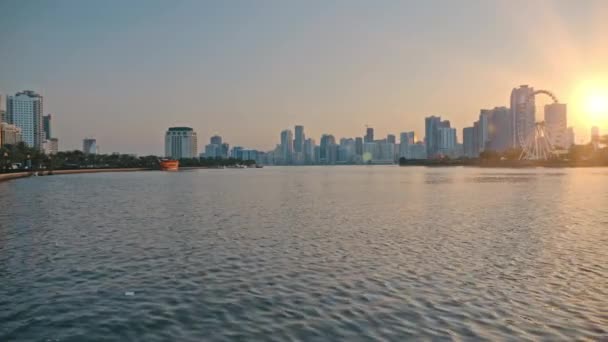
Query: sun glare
pixel 593 102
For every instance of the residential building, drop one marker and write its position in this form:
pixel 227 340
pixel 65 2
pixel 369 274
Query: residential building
pixel 446 141
pixel 406 139
pixel 181 142
pixel 24 110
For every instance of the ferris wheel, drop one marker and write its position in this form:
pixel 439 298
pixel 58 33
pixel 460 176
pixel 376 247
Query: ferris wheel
pixel 533 136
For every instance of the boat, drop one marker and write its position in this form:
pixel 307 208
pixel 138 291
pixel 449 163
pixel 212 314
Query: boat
pixel 258 166
pixel 169 165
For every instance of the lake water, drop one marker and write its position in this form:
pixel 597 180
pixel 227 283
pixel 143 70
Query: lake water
pixel 306 253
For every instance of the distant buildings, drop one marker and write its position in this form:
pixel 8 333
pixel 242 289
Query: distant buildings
pixel 406 141
pixel 595 136
pixel 556 125
pixel 286 147
pixel 181 142
pixel 369 135
pixel 10 134
pixel 89 146
pixel 440 138
pixel 51 146
pixel 216 148
pixel 24 110
pixel 492 131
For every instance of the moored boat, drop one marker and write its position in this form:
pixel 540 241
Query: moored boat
pixel 169 165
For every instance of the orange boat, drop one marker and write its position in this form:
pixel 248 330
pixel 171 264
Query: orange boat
pixel 169 165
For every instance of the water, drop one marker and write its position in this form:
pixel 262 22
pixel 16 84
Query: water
pixel 310 253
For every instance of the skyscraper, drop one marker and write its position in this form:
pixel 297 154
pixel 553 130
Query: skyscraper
pixel 309 151
pixel 46 126
pixel 298 143
pixel 328 149
pixel 286 146
pixel 468 142
pixel 522 114
pixel 369 135
pixel 391 139
pixel 24 110
pixel 89 146
pixel 359 146
pixel 181 142
pixel 431 137
pixel 556 124
pixel 446 140
pixel 406 140
pixel 500 136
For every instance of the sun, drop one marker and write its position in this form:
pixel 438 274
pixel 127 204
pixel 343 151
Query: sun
pixel 596 103
pixel 592 99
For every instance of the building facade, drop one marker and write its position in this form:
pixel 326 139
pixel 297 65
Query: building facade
pixel 286 147
pixel 181 142
pixel 51 146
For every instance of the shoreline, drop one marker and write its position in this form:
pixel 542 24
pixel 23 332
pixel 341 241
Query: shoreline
pixel 16 175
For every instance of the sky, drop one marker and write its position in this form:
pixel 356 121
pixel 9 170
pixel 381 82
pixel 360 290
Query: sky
pixel 124 71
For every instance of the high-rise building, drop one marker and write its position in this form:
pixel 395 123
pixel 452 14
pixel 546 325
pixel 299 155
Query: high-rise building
pixel 89 146
pixel 286 146
pixel 483 129
pixel 215 140
pixel 431 131
pixel 46 126
pixel 10 134
pixel 522 115
pixel 24 110
pixel 359 146
pixel 309 151
pixel 556 124
pixel 500 137
pixel 298 142
pixel 391 139
pixel 468 142
pixel 237 152
pixel 369 135
pixel 446 140
pixel 406 140
pixel 181 142
pixel 328 149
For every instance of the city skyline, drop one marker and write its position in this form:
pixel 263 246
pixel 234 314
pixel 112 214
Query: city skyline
pixel 258 68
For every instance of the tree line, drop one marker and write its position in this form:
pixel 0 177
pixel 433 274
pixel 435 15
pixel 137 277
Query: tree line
pixel 20 157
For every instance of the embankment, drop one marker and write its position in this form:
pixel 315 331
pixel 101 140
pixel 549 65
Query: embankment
pixel 15 175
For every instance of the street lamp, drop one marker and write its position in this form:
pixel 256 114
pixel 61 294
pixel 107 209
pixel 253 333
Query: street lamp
pixel 29 162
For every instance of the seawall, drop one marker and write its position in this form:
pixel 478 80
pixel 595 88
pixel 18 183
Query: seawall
pixel 16 175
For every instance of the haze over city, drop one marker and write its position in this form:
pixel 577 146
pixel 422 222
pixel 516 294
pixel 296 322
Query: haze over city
pixel 125 71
